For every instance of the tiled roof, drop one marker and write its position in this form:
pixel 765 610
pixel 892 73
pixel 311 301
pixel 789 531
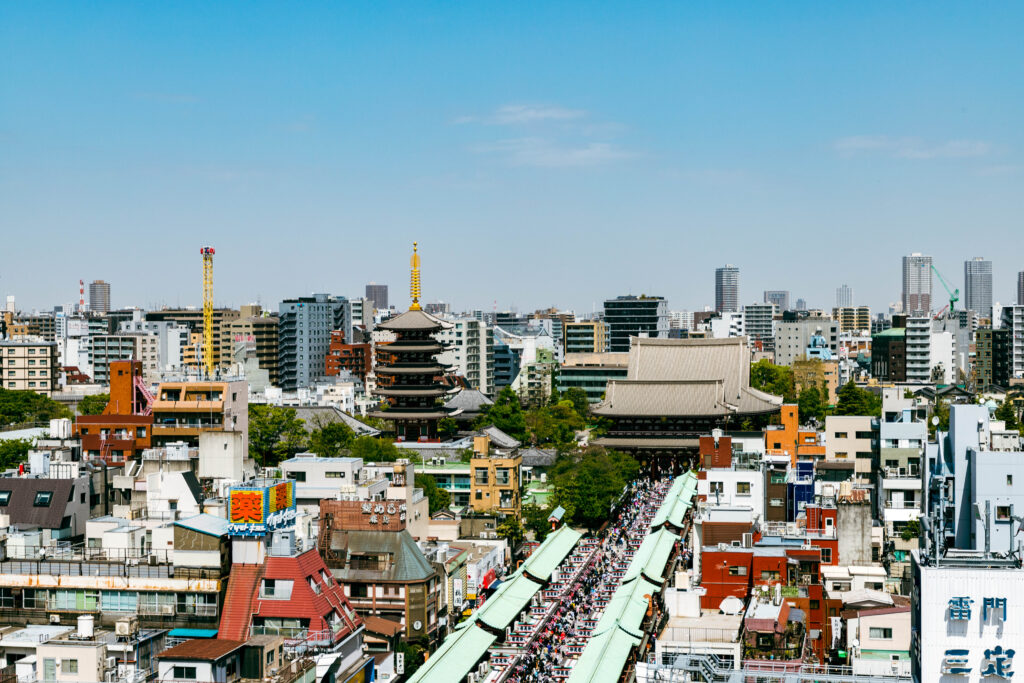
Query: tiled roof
pixel 202 649
pixel 22 508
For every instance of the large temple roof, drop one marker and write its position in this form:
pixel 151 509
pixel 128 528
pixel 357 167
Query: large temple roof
pixel 686 377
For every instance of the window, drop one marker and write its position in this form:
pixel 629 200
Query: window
pixel 34 598
pixel 119 601
pixel 737 571
pixel 775 502
pixel 840 455
pixel 185 673
pixel 156 603
pixel 49 669
pixel 842 435
pixel 276 589
pixel 880 633
pixel 201 604
pixel 826 555
pixel 296 476
pixel 1009 480
pixel 69 666
pixel 334 475
pixel 501 474
pixel 1002 513
pixel 78 600
pixel 716 487
pixel 769 575
pixel 43 499
pixel 5 498
pixel 479 496
pixel 480 476
pixel 743 488
pixel 814 604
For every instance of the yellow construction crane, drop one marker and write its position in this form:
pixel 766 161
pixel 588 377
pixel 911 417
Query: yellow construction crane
pixel 208 253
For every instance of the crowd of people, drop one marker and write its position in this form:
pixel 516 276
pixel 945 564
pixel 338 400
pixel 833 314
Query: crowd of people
pixel 550 649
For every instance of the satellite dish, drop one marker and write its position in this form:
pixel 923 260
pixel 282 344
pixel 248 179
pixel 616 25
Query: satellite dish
pixel 935 420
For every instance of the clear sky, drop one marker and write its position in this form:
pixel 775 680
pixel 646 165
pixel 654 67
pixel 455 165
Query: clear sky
pixel 542 153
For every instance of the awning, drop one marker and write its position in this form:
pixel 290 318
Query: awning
pixel 192 633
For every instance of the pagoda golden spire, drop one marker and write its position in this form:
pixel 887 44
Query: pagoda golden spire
pixel 414 283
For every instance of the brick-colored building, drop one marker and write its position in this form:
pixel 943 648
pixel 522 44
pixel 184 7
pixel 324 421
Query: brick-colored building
pixel 356 358
pixel 125 428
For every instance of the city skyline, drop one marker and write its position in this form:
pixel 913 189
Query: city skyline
pixel 163 138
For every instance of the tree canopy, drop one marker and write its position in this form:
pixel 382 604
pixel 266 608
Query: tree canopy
pixel 275 434
pixel 856 401
pixel 512 531
pixel 535 519
pixel 374 449
pixel 331 439
pixel 506 414
pixel 587 483
pixel 1007 412
pixel 13 452
pixel 774 379
pixel 437 498
pixel 810 404
pixel 554 425
pixel 93 405
pixel 20 407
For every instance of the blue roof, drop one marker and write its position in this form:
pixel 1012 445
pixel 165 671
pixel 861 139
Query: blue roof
pixel 193 632
pixel 205 524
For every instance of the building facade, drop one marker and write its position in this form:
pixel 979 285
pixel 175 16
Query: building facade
pixel 470 353
pixel 585 336
pixel 634 316
pixel 304 337
pixel 917 284
pixel 378 294
pixel 793 338
pixel 99 296
pixel 727 289
pixel 844 296
pixel 853 319
pixel 992 357
pixel 978 286
pixel 779 297
pixel 29 366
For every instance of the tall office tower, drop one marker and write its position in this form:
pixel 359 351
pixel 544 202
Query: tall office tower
pixel 304 337
pixel 917 284
pixel 801 305
pixel 978 286
pixel 727 289
pixel 378 294
pixel 99 296
pixel 634 316
pixel 779 297
pixel 844 297
pixel 1020 288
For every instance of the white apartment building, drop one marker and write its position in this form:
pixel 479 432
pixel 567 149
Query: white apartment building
pixel 29 366
pixel 472 352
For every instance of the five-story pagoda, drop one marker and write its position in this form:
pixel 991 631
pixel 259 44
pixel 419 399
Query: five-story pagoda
pixel 409 376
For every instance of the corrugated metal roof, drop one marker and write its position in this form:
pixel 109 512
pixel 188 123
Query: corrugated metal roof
pixel 555 548
pixel 205 524
pixel 652 556
pixel 603 651
pixel 409 564
pixel 457 655
pixel 511 598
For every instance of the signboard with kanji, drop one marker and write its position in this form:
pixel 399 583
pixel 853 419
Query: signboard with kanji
pixel 255 510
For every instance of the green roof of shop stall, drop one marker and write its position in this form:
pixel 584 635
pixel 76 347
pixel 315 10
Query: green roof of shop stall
pixel 457 655
pixel 652 556
pixel 604 657
pixel 551 553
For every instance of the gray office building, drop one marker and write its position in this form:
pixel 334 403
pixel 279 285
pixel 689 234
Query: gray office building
pixel 304 337
pixel 978 286
pixel 634 316
pixel 378 294
pixel 99 296
pixel 844 297
pixel 779 297
pixel 793 337
pixel 727 289
pixel 917 284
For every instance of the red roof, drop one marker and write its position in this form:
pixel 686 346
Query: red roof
pixel 202 649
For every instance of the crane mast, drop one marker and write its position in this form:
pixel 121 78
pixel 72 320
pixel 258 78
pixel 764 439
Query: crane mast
pixel 208 253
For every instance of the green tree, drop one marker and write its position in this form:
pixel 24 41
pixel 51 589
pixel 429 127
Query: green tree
pixel 14 452
pixel 587 483
pixel 512 531
pixel 20 407
pixel 941 411
pixel 774 379
pixel 535 519
pixel 506 414
pixel 856 401
pixel 1007 412
pixel 275 434
pixel 437 498
pixel 415 654
pixel 447 428
pixel 810 404
pixel 554 425
pixel 329 440
pixel 579 400
pixel 93 405
pixel 911 531
pixel 374 449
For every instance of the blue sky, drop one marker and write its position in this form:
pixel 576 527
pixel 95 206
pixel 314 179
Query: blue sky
pixel 550 154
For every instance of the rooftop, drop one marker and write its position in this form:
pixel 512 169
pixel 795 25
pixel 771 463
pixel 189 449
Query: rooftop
pixel 201 649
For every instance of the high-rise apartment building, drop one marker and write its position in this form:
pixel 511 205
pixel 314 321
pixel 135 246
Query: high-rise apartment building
pixel 99 296
pixel 470 352
pixel 304 337
pixel 378 294
pixel 727 289
pixel 779 297
pixel 759 322
pixel 801 305
pixel 585 336
pixel 978 286
pixel 853 319
pixel 992 357
pixel 634 316
pixel 193 319
pixel 917 284
pixel 1013 320
pixel 262 332
pixel 1020 288
pixel 844 296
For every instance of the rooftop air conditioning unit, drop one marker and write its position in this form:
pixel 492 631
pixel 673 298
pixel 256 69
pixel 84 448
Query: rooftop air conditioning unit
pixel 54 618
pixel 748 540
pixel 112 663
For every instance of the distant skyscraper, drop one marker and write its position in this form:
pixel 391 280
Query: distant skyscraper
pixel 99 296
pixel 304 337
pixel 801 304
pixel 727 289
pixel 844 297
pixel 779 297
pixel 378 294
pixel 917 284
pixel 634 316
pixel 1020 288
pixel 978 286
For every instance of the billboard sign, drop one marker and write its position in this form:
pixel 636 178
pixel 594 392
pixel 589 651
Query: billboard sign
pixel 255 510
